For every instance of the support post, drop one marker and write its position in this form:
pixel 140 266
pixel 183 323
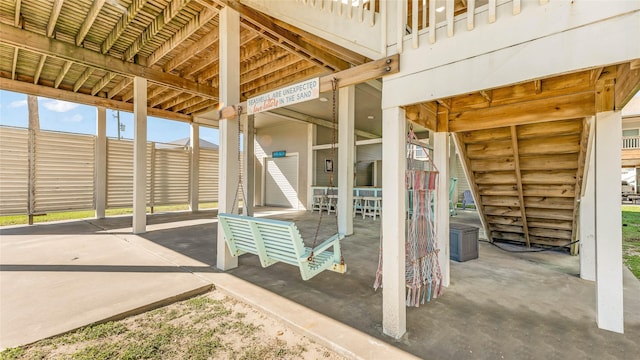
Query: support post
pixel 311 164
pixel 249 179
pixel 346 143
pixel 441 160
pixel 608 217
pixel 394 312
pixel 587 233
pixel 229 47
pixel 194 175
pixel 139 155
pixel 101 162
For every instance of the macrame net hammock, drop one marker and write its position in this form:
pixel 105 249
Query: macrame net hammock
pixel 422 269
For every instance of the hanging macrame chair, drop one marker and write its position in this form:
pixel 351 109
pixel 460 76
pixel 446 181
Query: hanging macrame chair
pixel 423 278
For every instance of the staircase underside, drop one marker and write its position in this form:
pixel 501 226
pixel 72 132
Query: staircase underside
pixel 524 147
pixel 526 179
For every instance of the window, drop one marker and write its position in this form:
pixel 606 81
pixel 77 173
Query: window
pixel 631 132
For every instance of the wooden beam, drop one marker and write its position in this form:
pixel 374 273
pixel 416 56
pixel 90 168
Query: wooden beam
pixel 102 83
pixel 181 35
pixel 14 63
pixel 164 98
pixel 165 17
pixel 284 37
pixel 89 18
pixel 627 83
pixel 121 25
pixel 290 114
pixel 178 100
pixel 516 158
pixel 53 18
pixel 187 104
pixel 423 114
pixel 313 40
pixel 36 77
pixel 200 106
pixel 605 95
pixel 83 78
pixel 486 94
pixel 358 74
pixel 63 72
pixel 16 16
pixel 37 90
pixel 304 70
pixel 204 43
pixel 556 108
pixel 207 62
pixel 51 47
pixel 119 87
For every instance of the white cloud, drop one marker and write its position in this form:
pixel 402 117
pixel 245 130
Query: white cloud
pixel 59 105
pixel 75 118
pixel 18 103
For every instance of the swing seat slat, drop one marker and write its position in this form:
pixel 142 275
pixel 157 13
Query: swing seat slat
pixel 280 241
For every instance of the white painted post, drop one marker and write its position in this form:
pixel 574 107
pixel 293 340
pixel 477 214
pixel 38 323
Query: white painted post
pixel 346 142
pixel 587 233
pixel 229 47
pixel 609 290
pixel 194 175
pixel 311 164
pixel 441 160
pixel 101 162
pixel 139 155
pixel 249 179
pixel 394 311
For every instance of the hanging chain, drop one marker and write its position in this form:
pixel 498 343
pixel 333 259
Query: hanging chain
pixel 240 187
pixel 334 89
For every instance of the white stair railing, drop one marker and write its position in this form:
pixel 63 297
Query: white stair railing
pixel 631 142
pixel 359 10
pixel 416 17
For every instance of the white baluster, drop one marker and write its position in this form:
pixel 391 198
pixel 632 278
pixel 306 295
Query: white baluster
pixel 372 10
pixel 450 7
pixel 424 14
pixel 414 23
pixel 492 11
pixel 471 14
pixel 516 7
pixel 432 21
pixel 402 24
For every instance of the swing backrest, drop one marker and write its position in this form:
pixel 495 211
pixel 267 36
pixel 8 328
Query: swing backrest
pixel 272 240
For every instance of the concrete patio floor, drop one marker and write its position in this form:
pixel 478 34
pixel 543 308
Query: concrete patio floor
pixel 502 305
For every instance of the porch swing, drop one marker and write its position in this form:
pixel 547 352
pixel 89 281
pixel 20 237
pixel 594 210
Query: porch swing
pixel 276 241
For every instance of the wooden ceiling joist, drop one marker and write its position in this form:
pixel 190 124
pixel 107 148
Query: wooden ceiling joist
pixel 183 34
pixel 58 49
pixel 62 73
pixel 88 21
pixel 122 24
pixel 36 76
pixel 204 43
pixel 83 78
pixel 53 18
pixel 154 28
pixel 164 97
pixel 119 87
pixel 104 81
pixel 14 63
pixel 16 17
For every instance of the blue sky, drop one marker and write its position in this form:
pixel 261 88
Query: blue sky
pixel 64 116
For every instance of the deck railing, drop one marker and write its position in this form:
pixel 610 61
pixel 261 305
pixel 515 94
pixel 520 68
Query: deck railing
pixel 359 10
pixel 631 142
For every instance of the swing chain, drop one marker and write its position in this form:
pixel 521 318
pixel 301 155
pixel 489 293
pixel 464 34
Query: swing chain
pixel 240 188
pixel 334 88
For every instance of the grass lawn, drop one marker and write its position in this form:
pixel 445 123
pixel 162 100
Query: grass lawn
pixel 209 326
pixel 6 220
pixel 631 238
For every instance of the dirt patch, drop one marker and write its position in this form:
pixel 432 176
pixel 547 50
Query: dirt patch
pixel 209 326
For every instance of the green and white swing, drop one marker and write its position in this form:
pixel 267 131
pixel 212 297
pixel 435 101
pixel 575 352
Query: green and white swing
pixel 276 241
